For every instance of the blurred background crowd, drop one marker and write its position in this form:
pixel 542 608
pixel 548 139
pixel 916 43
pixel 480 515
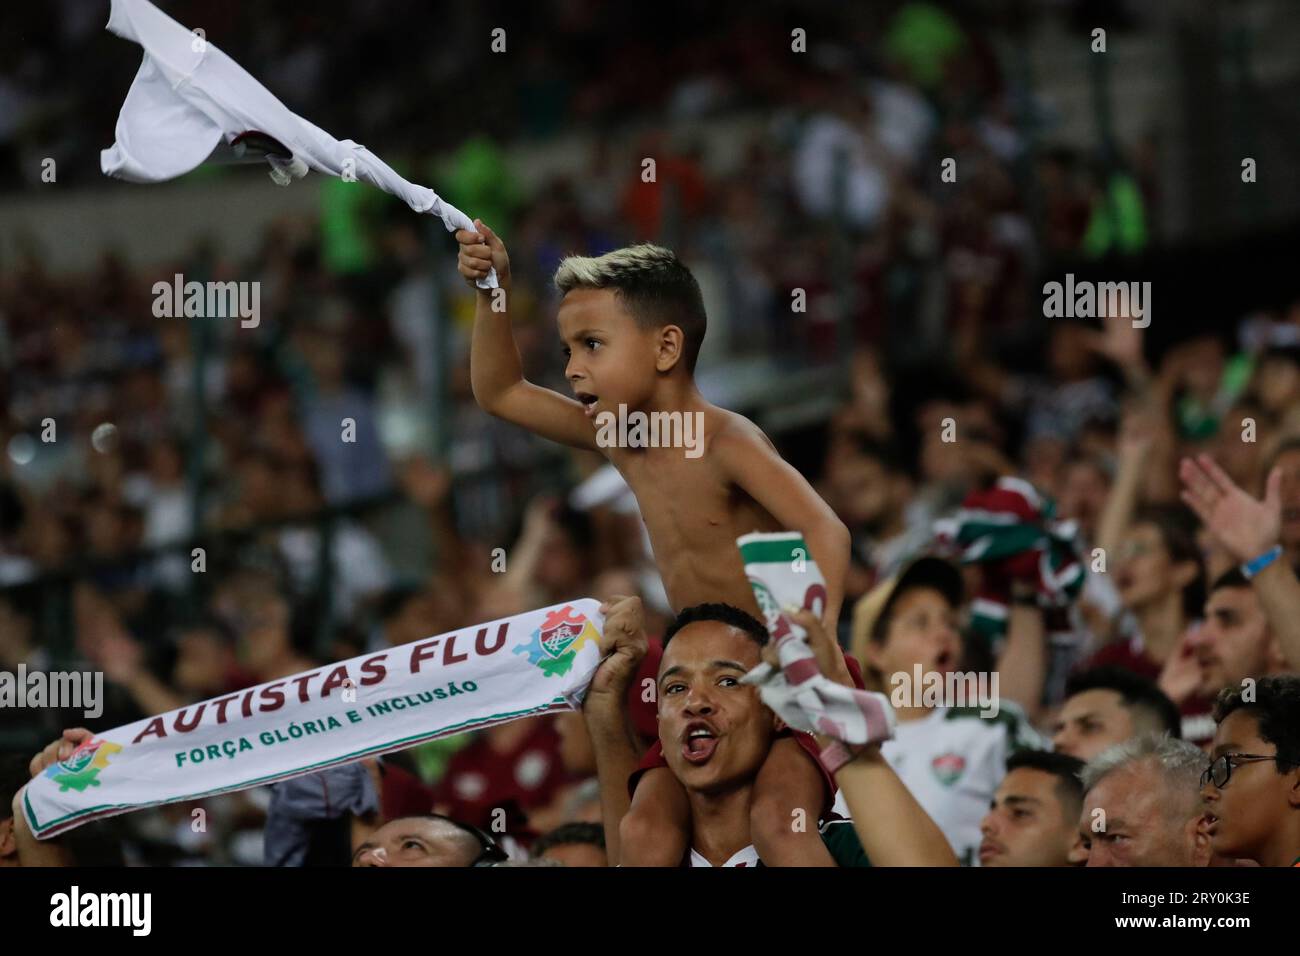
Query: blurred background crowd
pixel 922 301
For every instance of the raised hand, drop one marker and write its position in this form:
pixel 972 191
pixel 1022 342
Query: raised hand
pixel 60 749
pixel 1246 526
pixel 1120 341
pixel 624 644
pixel 830 659
pixel 481 251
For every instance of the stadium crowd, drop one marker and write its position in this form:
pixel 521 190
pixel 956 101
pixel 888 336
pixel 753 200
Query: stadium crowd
pixel 1160 475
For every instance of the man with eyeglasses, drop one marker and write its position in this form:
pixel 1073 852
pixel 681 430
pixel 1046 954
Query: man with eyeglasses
pixel 1251 789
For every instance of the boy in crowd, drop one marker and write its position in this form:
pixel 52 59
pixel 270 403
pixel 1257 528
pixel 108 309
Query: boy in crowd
pixel 632 322
pixel 949 753
pixel 1251 790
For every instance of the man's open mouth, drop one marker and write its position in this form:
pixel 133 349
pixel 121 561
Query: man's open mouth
pixel 699 742
pixel 588 403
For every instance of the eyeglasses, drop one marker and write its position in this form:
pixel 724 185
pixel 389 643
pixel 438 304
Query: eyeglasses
pixel 1220 769
pixel 490 851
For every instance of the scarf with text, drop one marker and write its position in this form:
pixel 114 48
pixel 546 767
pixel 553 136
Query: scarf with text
pixel 463 680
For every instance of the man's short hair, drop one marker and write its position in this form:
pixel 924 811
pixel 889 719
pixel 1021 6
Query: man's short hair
pixel 568 834
pixel 1066 770
pixel 724 614
pixel 535 861
pixel 1231 578
pixel 1180 764
pixel 651 283
pixel 1276 709
pixel 1140 695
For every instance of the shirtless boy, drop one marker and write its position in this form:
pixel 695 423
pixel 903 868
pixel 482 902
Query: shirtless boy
pixel 631 323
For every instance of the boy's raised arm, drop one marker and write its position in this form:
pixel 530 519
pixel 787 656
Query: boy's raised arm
pixel 749 460
pixel 496 374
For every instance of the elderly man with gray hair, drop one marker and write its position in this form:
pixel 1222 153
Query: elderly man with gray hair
pixel 1142 806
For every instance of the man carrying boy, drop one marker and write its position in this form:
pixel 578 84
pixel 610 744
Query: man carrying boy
pixel 632 322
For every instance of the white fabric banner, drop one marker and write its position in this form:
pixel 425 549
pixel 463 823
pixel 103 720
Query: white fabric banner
pixel 188 96
pixel 456 682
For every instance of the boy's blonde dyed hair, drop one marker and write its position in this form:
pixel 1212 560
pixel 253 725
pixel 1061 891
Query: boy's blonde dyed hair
pixel 653 285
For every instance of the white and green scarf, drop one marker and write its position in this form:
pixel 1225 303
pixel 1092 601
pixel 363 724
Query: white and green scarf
pixel 464 680
pixel 784 576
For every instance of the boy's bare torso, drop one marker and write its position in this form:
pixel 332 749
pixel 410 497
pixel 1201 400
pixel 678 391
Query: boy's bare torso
pixel 694 514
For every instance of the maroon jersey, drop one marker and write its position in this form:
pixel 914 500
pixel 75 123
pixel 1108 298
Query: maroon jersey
pixel 479 778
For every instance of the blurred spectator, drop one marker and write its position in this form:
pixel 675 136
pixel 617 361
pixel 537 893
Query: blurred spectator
pixel 1106 706
pixel 513 763
pixel 948 756
pixel 573 844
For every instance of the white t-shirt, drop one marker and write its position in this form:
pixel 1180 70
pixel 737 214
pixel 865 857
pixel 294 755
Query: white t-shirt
pixel 746 857
pixel 953 760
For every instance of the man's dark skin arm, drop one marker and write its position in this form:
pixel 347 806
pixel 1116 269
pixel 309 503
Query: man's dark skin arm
pixel 605 709
pixel 891 826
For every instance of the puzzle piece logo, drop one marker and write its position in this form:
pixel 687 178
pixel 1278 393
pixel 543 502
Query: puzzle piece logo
pixel 554 646
pixel 81 768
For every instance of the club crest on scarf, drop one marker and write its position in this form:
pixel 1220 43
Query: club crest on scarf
pixel 554 645
pixel 767 603
pixel 82 767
